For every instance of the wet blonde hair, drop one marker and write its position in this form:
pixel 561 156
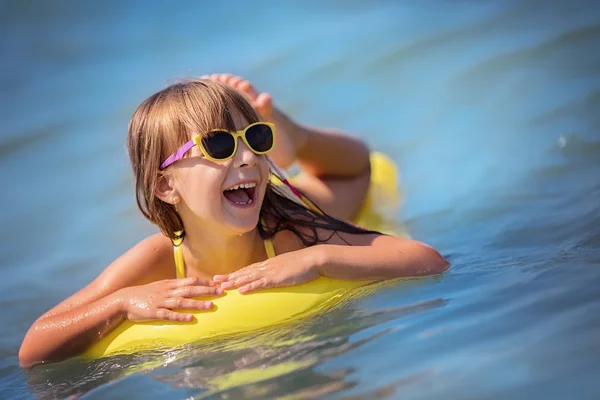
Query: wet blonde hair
pixel 166 121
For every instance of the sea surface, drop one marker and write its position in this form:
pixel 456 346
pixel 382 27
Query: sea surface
pixel 491 110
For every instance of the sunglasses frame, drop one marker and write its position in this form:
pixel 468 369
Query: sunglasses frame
pixel 197 141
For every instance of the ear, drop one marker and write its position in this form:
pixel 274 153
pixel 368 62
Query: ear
pixel 165 189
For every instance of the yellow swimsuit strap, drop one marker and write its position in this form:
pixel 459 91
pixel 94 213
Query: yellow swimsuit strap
pixel 269 248
pixel 178 253
pixel 180 264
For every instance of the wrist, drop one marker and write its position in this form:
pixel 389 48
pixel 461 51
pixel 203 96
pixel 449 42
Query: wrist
pixel 297 134
pixel 120 301
pixel 321 257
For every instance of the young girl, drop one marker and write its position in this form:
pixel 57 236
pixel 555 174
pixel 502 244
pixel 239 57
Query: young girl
pixel 199 153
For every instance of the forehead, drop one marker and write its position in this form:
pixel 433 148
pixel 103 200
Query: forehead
pixel 228 114
pixel 238 119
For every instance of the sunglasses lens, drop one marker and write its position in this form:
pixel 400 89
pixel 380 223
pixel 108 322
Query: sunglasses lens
pixel 219 144
pixel 260 138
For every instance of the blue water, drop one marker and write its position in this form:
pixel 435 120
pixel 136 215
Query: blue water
pixel 490 109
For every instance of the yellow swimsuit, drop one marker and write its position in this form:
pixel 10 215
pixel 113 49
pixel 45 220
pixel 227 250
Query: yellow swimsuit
pixel 180 263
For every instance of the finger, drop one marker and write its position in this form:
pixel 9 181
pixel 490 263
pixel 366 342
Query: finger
pixel 246 87
pixel 233 80
pixel 190 281
pixel 195 291
pixel 224 78
pixel 181 303
pixel 261 283
pixel 214 77
pixel 264 104
pixel 204 76
pixel 240 280
pixel 237 81
pixel 244 271
pixel 163 313
pixel 230 277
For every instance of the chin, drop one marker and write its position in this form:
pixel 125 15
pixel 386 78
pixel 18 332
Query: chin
pixel 241 219
pixel 240 227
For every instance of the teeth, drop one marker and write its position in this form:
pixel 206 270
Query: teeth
pixel 243 186
pixel 241 202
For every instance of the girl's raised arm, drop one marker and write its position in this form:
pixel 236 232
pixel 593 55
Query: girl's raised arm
pixel 335 165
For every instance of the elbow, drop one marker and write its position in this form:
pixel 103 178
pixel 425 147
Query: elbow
pixel 31 355
pixel 33 349
pixel 26 357
pixel 421 259
pixel 432 261
pixel 413 259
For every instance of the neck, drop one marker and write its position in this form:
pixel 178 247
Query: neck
pixel 208 253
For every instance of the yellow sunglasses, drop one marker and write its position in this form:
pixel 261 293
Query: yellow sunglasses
pixel 221 144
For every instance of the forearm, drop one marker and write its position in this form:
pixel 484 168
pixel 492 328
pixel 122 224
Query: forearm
pixel 60 336
pixel 325 152
pixel 378 262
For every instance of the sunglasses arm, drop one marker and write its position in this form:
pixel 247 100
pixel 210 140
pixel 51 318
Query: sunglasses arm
pixel 178 155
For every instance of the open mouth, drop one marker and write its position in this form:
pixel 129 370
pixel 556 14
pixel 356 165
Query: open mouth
pixel 241 194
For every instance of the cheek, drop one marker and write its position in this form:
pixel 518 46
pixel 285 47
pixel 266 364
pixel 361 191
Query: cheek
pixel 202 190
pixel 263 165
pixel 265 173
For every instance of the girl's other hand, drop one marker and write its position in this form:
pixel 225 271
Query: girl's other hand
pixel 290 138
pixel 157 300
pixel 288 269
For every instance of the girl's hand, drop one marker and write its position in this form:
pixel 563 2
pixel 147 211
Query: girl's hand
pixel 288 269
pixel 157 300
pixel 262 102
pixel 290 137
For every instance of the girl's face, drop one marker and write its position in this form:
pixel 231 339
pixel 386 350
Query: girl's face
pixel 224 194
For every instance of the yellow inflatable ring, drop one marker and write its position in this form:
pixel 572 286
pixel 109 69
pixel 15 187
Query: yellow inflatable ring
pixel 235 313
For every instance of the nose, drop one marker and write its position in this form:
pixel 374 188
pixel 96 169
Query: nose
pixel 244 157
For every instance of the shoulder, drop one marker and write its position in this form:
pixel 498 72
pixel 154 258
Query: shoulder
pixel 154 248
pixel 286 241
pixel 149 260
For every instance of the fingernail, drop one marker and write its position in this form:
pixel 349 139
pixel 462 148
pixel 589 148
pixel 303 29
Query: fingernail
pixel 226 285
pixel 243 289
pixel 219 291
pixel 208 304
